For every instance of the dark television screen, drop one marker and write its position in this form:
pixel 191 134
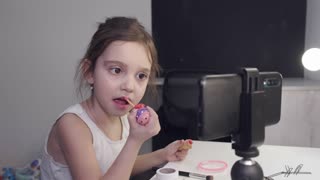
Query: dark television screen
pixel 226 35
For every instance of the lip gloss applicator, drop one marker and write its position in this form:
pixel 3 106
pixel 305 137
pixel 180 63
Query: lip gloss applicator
pixel 127 99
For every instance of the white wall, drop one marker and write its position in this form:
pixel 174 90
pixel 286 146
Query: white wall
pixel 40 44
pixel 299 123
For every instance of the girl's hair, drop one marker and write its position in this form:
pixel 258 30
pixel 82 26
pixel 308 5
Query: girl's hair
pixel 116 29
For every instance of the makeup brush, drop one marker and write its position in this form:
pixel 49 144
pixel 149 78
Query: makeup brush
pixel 127 99
pixel 195 175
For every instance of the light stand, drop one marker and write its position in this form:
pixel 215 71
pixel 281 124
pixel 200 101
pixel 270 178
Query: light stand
pixel 251 128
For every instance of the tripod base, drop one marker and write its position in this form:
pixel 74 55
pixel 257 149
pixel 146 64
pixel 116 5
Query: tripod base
pixel 246 169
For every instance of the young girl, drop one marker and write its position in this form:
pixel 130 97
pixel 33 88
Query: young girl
pixel 99 138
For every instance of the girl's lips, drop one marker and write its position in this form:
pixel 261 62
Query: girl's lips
pixel 121 103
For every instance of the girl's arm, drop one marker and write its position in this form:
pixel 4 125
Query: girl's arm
pixel 138 135
pixel 123 165
pixel 147 161
pixel 75 140
pixel 161 156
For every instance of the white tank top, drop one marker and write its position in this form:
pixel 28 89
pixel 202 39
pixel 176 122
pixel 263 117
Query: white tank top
pixel 106 150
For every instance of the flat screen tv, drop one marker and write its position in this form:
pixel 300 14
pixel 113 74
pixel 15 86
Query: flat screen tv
pixel 226 35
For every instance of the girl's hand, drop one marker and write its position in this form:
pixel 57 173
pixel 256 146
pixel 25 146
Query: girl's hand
pixel 142 133
pixel 173 152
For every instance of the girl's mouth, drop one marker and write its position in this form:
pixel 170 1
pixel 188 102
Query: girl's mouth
pixel 121 101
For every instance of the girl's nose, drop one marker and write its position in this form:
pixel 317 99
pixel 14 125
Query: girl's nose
pixel 128 84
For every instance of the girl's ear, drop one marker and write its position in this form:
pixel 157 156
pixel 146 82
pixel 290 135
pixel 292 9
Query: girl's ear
pixel 87 71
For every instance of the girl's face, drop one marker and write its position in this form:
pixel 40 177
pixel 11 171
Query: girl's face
pixel 122 71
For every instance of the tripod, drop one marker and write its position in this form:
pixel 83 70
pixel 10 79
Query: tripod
pixel 246 168
pixel 251 129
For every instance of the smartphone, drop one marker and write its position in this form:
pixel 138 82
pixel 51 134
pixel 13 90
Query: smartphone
pixel 220 103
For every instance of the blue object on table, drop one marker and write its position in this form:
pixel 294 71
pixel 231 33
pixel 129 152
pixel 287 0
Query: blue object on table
pixel 8 173
pixel 30 172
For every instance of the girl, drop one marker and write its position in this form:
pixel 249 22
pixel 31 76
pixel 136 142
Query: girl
pixel 99 138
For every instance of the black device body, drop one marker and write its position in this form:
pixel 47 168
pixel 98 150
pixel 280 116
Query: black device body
pixel 220 115
pixel 211 106
pixel 208 105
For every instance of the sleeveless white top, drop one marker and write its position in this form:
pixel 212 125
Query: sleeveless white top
pixel 106 150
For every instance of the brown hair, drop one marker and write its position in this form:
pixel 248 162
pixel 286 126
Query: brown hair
pixel 117 29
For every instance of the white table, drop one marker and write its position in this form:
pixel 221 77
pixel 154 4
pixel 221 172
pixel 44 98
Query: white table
pixel 272 159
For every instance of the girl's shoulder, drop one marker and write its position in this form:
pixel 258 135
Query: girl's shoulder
pixel 67 134
pixel 71 122
pixel 75 109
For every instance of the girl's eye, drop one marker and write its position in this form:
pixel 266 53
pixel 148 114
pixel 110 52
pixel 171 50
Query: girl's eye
pixel 142 76
pixel 115 70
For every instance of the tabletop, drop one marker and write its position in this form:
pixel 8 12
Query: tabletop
pixel 277 162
